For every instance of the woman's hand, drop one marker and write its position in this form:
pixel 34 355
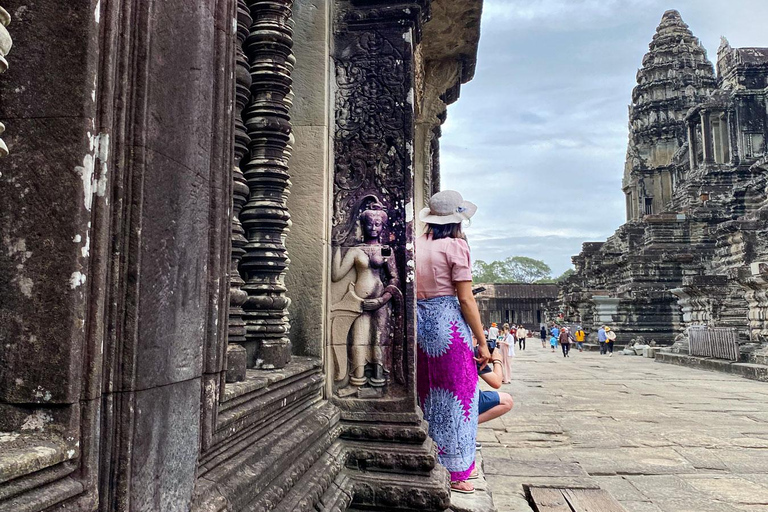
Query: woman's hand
pixel 372 304
pixel 483 355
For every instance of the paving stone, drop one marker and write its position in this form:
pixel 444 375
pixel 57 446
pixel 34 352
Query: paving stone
pixel 620 488
pixel 640 506
pixel 659 438
pixel 535 468
pixel 702 458
pixel 511 503
pixel 731 489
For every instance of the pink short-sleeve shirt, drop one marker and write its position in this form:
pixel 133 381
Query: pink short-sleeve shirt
pixel 440 264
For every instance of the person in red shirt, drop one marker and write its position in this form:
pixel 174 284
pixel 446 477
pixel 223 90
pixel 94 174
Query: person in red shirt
pixel 565 341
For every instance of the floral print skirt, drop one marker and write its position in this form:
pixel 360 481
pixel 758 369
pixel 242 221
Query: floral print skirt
pixel 447 383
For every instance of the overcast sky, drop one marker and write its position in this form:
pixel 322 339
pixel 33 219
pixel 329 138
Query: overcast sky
pixel 538 138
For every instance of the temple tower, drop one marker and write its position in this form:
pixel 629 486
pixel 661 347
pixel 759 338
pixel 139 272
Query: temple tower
pixel 675 76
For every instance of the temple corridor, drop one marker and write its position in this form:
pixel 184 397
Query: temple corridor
pixel 657 437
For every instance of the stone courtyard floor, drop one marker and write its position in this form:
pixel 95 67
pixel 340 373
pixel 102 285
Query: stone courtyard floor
pixel 657 437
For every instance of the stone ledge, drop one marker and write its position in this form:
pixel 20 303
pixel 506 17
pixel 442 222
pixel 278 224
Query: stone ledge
pixel 25 453
pixel 757 372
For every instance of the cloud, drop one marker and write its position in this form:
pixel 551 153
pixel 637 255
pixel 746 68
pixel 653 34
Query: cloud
pixel 538 138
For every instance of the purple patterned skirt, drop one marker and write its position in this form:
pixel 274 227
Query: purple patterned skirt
pixel 447 383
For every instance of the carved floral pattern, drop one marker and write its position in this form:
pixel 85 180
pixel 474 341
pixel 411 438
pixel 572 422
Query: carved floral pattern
pixel 373 116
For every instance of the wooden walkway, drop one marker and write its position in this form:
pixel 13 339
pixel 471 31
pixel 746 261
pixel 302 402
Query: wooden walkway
pixel 546 499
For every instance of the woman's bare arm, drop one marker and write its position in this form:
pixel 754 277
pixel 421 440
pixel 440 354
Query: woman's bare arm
pixel 472 317
pixel 339 267
pixel 494 378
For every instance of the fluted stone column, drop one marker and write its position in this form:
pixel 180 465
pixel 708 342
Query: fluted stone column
pixel 706 137
pixel 265 215
pixel 692 146
pixel 237 355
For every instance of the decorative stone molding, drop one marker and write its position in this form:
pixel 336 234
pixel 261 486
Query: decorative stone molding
pixel 265 216
pixel 5 47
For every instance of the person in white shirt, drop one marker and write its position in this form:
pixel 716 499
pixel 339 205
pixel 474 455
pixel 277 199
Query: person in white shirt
pixel 507 352
pixel 493 332
pixel 522 334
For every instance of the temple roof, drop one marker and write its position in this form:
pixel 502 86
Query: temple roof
pixel 675 76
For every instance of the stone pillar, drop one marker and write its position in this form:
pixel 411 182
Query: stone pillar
pixel 733 135
pixel 109 302
pixel 692 146
pixel 238 357
pixel 437 86
pixel 265 216
pixel 706 137
pixel 372 352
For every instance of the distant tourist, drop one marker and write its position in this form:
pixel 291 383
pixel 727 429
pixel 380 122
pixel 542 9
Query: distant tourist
pixel 555 330
pixel 485 331
pixel 493 332
pixel 447 316
pixel 506 353
pixel 521 334
pixel 601 338
pixel 610 338
pixel 543 335
pixel 580 335
pixel 553 341
pixel 565 341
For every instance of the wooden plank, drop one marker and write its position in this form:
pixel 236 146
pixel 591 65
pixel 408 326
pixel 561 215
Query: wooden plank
pixel 549 500
pixel 592 500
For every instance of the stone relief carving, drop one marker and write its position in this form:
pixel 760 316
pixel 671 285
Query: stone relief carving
pixel 5 47
pixel 366 318
pixel 374 116
pixel 370 147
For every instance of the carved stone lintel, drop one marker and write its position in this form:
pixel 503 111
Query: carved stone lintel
pixel 265 215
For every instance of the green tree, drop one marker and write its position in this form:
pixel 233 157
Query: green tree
pixel 555 280
pixel 565 275
pixel 515 269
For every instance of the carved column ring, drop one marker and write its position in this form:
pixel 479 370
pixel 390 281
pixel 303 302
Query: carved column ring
pixel 275 124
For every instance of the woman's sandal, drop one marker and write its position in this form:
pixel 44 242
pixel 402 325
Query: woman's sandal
pixel 474 475
pixel 462 487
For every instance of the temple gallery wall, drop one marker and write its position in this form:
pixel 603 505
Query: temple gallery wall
pixel 206 281
pixel 692 254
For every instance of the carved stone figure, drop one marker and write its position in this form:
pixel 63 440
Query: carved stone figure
pixel 363 320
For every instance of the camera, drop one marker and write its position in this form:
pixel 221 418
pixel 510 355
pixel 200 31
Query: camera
pixel 491 347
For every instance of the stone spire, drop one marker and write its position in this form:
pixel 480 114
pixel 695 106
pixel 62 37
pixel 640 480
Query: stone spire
pixel 676 74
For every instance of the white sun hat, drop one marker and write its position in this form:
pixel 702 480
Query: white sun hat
pixel 447 207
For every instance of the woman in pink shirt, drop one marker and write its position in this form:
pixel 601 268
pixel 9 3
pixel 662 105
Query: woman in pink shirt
pixel 447 317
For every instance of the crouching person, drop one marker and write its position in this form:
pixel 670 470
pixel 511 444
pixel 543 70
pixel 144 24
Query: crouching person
pixel 493 403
